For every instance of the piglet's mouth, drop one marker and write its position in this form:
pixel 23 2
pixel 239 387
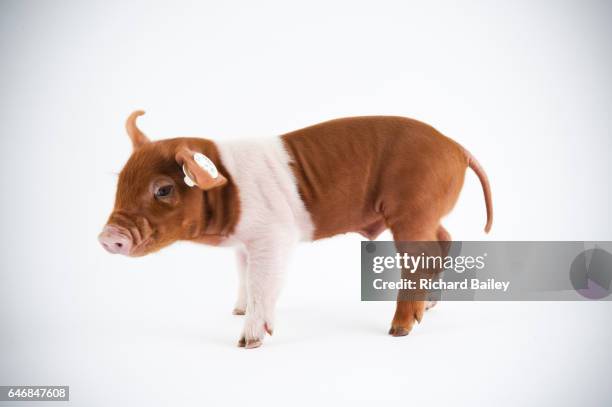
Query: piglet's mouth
pixel 140 249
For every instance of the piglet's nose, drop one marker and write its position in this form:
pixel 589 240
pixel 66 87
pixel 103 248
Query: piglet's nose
pixel 114 241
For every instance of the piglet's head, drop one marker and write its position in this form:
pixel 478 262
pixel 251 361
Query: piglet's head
pixel 163 194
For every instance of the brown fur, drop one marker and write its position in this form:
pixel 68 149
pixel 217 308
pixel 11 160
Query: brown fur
pixel 366 174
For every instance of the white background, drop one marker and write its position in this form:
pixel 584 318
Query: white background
pixel 524 85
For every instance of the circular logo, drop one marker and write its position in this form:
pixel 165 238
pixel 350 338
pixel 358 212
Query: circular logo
pixel 591 273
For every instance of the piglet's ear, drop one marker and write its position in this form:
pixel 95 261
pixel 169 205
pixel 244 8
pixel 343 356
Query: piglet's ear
pixel 138 138
pixel 199 170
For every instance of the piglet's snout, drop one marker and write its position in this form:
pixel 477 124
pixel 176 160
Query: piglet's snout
pixel 115 241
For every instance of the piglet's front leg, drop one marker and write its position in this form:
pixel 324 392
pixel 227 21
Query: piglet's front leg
pixel 241 301
pixel 266 268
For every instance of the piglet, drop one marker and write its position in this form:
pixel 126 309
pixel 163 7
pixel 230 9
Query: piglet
pixel 263 196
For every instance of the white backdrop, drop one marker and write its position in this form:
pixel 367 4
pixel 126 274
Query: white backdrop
pixel 526 87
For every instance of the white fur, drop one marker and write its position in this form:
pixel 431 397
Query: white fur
pixel 272 220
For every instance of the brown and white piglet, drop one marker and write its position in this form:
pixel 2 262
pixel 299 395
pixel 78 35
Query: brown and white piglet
pixel 360 174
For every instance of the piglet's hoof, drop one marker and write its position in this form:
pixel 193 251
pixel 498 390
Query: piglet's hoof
pixel 399 331
pixel 238 311
pixel 250 344
pixel 407 314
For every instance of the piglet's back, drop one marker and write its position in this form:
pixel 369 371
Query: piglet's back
pixel 345 168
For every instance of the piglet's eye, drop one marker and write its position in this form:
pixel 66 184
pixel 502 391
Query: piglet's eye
pixel 163 191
